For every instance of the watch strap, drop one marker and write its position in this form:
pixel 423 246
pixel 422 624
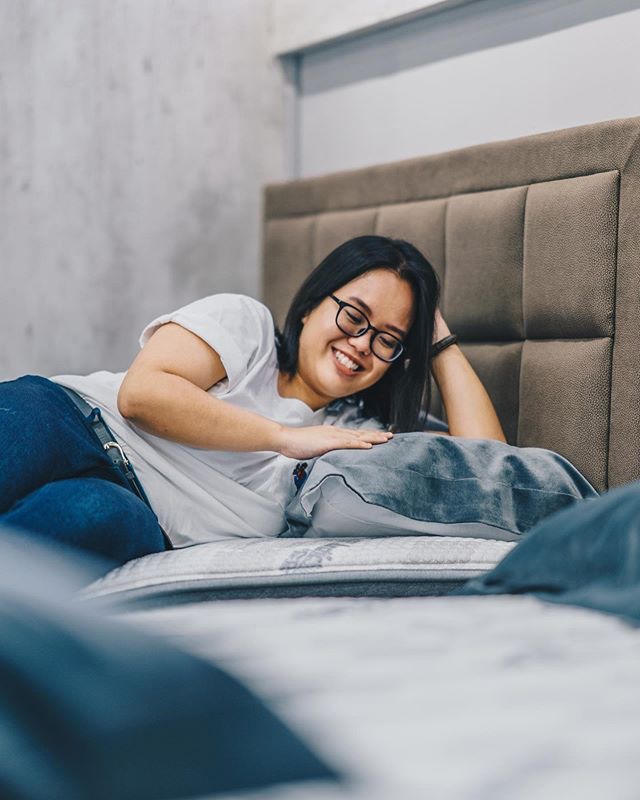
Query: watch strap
pixel 438 347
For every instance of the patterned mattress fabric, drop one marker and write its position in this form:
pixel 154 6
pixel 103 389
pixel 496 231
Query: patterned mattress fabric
pixel 269 567
pixel 454 698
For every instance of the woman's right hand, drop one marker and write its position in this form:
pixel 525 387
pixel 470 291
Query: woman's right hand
pixel 317 440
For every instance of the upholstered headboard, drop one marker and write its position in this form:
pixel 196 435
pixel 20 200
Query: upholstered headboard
pixel 537 244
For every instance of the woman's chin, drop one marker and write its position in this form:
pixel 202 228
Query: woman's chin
pixel 337 384
pixel 332 382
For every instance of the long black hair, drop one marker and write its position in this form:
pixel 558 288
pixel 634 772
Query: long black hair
pixel 398 398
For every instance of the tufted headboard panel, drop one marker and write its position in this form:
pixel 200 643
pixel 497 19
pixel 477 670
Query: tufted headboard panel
pixel 537 245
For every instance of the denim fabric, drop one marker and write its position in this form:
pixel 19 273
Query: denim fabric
pixel 588 555
pixel 447 480
pixel 56 481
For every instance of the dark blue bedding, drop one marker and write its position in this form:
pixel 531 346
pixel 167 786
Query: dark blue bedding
pixel 585 555
pixel 92 708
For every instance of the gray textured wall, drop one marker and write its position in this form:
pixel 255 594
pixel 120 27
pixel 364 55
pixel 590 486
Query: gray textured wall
pixel 134 138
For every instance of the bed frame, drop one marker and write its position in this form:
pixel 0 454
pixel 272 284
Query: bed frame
pixel 537 245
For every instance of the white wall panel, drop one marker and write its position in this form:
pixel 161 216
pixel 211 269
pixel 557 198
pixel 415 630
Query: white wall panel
pixel 300 24
pixel 488 70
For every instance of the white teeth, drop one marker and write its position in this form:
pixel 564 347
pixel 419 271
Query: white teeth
pixel 346 361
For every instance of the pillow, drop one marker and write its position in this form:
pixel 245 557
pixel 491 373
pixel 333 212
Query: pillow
pixel 92 708
pixel 424 483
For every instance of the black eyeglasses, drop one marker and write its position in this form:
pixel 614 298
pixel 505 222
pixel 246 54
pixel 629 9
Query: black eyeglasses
pixel 353 322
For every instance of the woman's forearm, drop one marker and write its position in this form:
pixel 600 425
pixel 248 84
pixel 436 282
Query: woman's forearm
pixel 174 408
pixel 470 412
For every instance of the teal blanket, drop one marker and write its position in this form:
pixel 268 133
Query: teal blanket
pixel 586 555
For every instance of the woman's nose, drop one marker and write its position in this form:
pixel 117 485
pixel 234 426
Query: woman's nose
pixel 361 343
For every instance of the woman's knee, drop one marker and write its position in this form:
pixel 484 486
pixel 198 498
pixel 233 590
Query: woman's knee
pixel 42 438
pixel 118 520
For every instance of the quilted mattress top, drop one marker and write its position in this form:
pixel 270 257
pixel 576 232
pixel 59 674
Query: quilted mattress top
pixel 234 567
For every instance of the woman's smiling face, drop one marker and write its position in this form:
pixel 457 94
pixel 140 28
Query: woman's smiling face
pixel 323 371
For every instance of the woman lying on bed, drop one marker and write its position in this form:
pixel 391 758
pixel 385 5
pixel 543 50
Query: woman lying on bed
pixel 219 410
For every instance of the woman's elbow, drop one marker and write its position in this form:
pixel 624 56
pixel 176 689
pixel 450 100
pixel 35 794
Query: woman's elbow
pixel 129 399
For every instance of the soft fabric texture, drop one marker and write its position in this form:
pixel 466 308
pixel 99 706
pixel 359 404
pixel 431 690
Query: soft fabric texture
pixel 90 708
pixel 248 568
pixel 440 698
pixel 202 495
pixel 588 555
pixel 432 484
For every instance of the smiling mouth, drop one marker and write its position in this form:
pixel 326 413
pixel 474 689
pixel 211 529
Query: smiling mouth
pixel 345 362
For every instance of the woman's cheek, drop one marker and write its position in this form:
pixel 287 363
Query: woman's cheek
pixel 378 374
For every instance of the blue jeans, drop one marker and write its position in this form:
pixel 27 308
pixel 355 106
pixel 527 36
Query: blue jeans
pixel 57 483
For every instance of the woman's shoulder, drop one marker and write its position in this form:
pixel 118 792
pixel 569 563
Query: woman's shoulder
pixel 230 302
pixel 238 313
pixel 238 327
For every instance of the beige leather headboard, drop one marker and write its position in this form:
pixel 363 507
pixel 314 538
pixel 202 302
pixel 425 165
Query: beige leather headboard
pixel 537 244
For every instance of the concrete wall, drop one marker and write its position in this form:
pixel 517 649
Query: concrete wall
pixel 134 138
pixel 487 70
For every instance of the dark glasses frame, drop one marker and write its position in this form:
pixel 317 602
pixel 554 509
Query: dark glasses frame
pixel 376 331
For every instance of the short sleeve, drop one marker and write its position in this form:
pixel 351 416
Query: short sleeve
pixel 239 328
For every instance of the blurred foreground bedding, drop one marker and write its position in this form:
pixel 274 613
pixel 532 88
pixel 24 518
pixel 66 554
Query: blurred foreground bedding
pixel 455 698
pixel 92 710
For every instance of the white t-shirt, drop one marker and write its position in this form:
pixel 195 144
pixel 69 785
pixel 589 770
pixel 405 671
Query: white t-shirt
pixel 202 495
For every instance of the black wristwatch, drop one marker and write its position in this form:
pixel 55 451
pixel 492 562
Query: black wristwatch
pixel 438 347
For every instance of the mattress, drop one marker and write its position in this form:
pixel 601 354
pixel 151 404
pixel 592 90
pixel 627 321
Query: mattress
pixel 271 567
pixel 454 698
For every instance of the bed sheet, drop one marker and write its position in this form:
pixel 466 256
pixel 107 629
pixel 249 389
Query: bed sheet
pixel 461 698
